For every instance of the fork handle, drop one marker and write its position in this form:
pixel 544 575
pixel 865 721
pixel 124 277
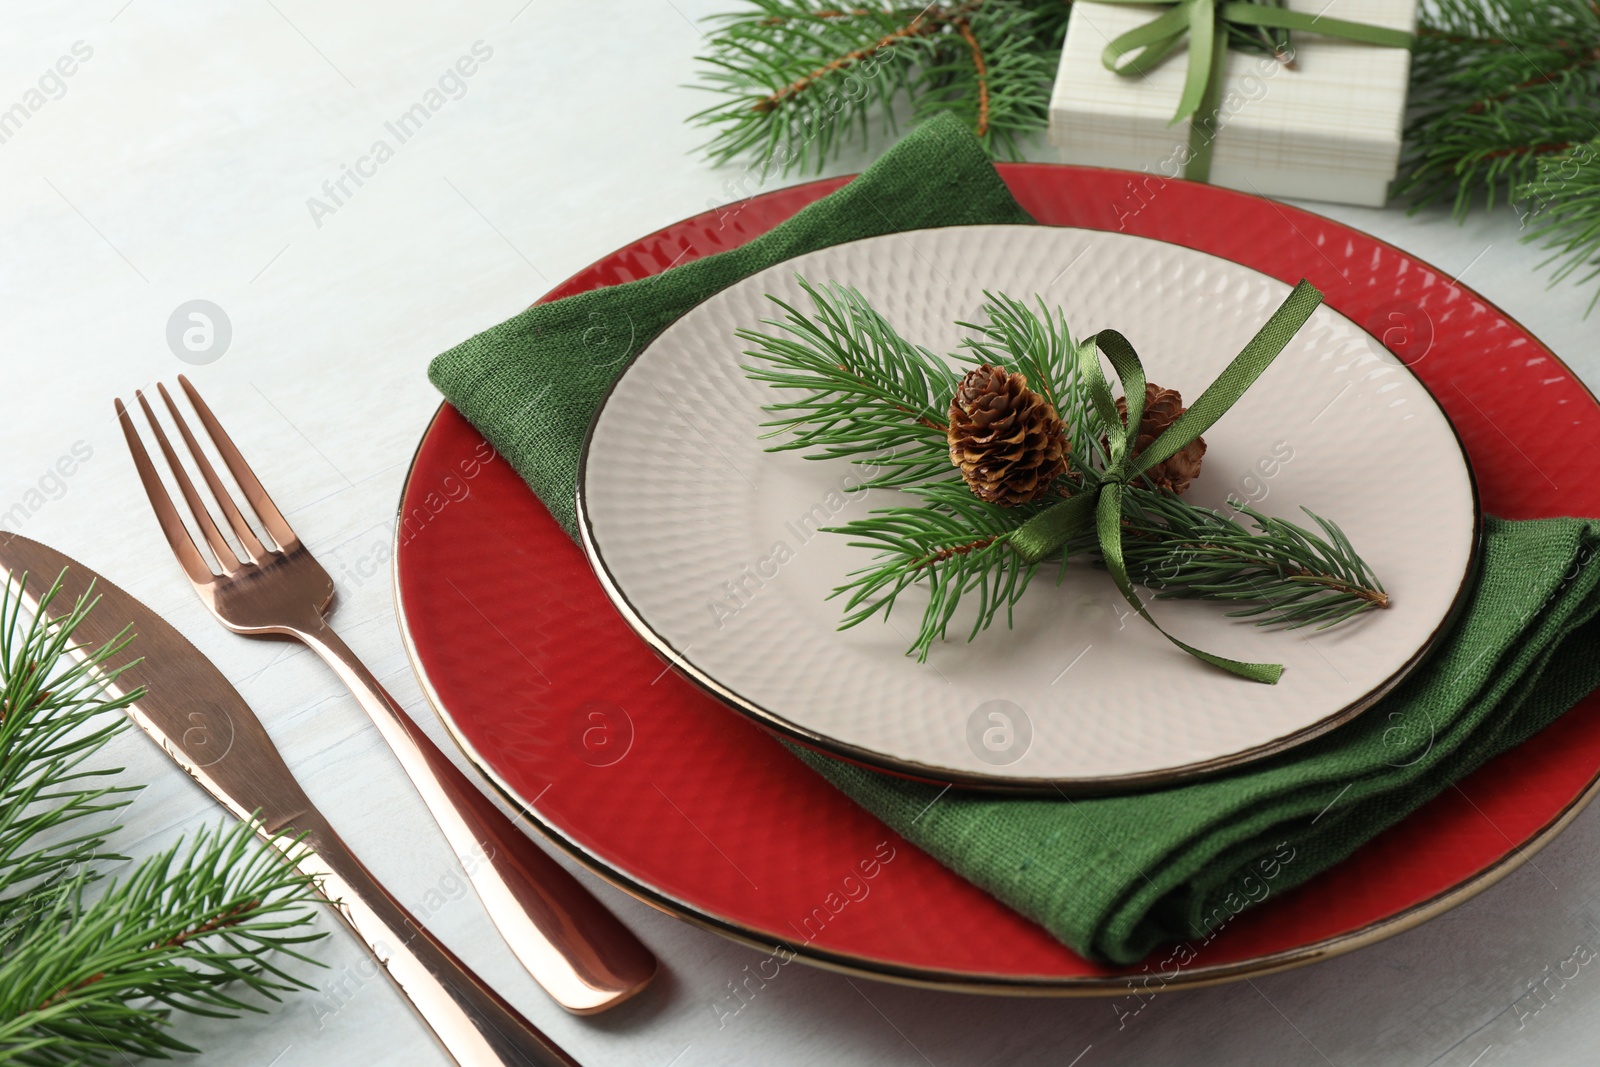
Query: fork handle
pixel 475 1026
pixel 572 945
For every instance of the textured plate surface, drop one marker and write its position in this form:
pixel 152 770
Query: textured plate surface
pixel 711 545
pixel 693 808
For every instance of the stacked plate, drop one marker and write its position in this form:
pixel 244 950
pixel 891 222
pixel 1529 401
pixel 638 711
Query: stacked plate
pixel 705 545
pixel 707 542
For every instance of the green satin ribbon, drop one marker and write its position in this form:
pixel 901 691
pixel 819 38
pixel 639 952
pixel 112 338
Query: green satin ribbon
pixel 1143 48
pixel 1098 502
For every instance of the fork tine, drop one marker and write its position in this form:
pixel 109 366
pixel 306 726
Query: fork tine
pixel 183 546
pixel 254 492
pixel 226 558
pixel 247 537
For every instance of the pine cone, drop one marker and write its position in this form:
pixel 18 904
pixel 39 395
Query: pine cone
pixel 1006 438
pixel 1161 409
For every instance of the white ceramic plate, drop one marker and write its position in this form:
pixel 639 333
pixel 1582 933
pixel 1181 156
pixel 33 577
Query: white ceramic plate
pixel 707 543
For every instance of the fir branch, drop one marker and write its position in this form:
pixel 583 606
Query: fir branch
pixel 53 719
pixel 1564 198
pixel 100 976
pixel 1264 40
pixel 800 79
pixel 992 74
pixel 954 544
pixel 1039 346
pixel 92 968
pixel 866 391
pixel 1505 106
pixel 868 394
pixel 980 76
pixel 920 24
pixel 1497 85
pixel 1288 575
pixel 1283 574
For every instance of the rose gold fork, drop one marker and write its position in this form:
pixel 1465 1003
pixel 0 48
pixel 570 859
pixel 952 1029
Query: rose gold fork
pixel 576 949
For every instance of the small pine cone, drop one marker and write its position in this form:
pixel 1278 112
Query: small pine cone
pixel 1006 438
pixel 1161 409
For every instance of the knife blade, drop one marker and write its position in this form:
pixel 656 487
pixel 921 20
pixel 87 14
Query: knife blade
pixel 199 719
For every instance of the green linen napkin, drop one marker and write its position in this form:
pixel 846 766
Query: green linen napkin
pixel 1114 876
pixel 531 384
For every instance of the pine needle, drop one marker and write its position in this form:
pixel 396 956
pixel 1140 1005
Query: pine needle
pixel 799 80
pixel 867 394
pixel 1505 108
pixel 93 967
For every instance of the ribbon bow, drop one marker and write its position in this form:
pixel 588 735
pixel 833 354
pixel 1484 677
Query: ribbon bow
pixel 1099 501
pixel 1142 49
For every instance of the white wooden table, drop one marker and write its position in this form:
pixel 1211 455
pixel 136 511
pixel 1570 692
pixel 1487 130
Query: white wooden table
pixel 176 163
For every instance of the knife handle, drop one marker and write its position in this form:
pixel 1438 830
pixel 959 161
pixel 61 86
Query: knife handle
pixel 581 953
pixel 473 1023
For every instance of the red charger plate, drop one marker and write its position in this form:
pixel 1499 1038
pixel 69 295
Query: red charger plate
pixel 691 807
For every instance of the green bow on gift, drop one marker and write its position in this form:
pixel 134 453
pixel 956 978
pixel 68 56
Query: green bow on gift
pixel 1098 502
pixel 1140 50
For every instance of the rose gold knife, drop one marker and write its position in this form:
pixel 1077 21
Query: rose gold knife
pixel 198 718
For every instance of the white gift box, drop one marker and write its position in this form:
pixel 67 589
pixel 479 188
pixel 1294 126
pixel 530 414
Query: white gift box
pixel 1327 128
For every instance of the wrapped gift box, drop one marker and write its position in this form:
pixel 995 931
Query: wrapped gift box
pixel 1327 128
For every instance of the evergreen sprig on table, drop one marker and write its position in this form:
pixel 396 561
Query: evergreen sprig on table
pixel 1496 86
pixel 1505 108
pixel 93 965
pixel 800 79
pixel 866 394
pixel 1504 96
